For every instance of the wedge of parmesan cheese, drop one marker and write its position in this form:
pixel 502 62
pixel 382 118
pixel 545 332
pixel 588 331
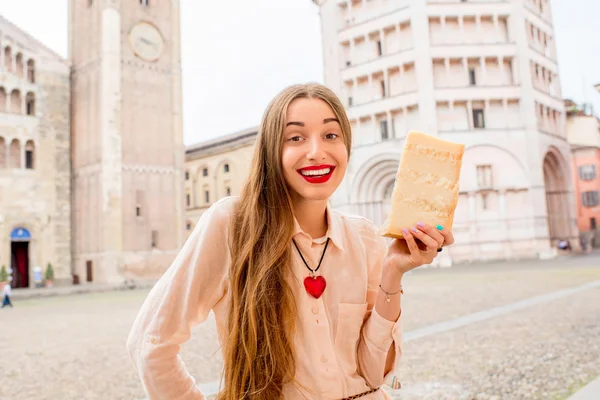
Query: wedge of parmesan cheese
pixel 426 188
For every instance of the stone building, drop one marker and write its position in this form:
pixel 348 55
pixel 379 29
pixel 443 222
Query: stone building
pixel 481 73
pixel 91 149
pixel 215 169
pixel 127 149
pixel 35 174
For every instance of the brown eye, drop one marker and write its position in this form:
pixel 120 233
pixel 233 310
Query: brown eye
pixel 332 136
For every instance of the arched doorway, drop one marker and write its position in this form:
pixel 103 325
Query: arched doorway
pixel 19 254
pixel 373 186
pixel 557 201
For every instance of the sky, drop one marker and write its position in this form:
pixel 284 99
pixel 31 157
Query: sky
pixel 237 54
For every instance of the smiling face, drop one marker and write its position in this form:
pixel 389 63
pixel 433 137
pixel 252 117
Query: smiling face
pixel 314 154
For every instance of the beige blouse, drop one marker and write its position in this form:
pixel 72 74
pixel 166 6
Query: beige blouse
pixel 341 342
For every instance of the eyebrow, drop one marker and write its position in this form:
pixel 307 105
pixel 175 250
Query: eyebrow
pixel 325 121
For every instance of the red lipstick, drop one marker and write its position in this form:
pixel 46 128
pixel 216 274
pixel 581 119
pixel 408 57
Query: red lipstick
pixel 322 178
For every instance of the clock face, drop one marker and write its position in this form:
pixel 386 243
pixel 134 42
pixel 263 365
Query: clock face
pixel 146 41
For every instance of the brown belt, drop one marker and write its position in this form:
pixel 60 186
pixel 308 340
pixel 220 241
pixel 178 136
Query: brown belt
pixel 356 396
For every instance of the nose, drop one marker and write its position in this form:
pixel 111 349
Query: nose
pixel 316 150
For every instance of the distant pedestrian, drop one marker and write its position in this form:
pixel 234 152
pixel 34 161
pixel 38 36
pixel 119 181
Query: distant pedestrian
pixel 7 293
pixel 564 245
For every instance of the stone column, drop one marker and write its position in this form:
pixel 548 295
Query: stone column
pixel 505 109
pixel 22 155
pixel 23 100
pixel 470 114
pixel 497 29
pixel 402 86
pixel 443 28
pixel 386 83
pixel 483 70
pixel 1 51
pixel 382 40
pixel 447 66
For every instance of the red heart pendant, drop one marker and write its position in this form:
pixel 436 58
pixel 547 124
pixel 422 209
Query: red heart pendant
pixel 315 286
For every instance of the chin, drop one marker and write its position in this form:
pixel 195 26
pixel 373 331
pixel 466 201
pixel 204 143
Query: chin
pixel 315 195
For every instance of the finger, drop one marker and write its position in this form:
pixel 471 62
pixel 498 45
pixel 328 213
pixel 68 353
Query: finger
pixel 412 245
pixel 430 242
pixel 432 232
pixel 447 234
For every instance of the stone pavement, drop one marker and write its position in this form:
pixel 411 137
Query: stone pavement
pixel 78 289
pixel 73 347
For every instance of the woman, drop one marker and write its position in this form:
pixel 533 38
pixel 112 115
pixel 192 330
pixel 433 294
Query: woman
pixel 306 299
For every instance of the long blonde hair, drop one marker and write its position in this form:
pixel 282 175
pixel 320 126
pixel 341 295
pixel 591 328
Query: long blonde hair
pixel 259 352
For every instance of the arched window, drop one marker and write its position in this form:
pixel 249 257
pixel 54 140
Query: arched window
pixel 15 102
pixel 226 168
pixel 8 59
pixel 30 103
pixel 20 65
pixel 2 153
pixel 31 71
pixel 14 156
pixel 29 154
pixel 2 100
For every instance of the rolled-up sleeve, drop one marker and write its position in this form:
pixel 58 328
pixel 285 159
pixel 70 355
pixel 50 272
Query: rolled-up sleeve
pixel 183 297
pixel 380 344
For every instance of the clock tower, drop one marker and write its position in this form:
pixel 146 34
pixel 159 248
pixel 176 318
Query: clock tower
pixel 127 149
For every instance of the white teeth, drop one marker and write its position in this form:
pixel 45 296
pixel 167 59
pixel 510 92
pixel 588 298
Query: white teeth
pixel 316 172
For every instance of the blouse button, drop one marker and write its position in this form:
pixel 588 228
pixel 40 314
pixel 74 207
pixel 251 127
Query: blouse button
pixel 324 358
pixel 315 310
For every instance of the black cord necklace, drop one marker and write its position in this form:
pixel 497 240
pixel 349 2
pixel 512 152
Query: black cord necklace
pixel 314 285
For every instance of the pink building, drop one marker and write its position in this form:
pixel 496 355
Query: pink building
pixel 584 136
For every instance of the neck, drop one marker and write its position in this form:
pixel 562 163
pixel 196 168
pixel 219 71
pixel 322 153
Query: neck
pixel 311 216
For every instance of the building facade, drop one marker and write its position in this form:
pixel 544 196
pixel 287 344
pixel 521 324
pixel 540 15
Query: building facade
pixel 127 148
pixel 91 148
pixel 35 202
pixel 35 174
pixel 215 169
pixel 584 136
pixel 480 73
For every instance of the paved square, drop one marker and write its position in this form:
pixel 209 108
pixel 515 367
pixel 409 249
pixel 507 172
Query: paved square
pixel 73 347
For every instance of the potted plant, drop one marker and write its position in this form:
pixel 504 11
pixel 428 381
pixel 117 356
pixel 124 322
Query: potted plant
pixel 49 276
pixel 3 277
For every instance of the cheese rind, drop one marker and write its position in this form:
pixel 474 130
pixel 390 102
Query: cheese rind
pixel 426 188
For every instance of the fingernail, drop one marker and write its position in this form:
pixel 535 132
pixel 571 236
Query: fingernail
pixel 405 231
pixel 439 227
pixel 420 224
pixel 413 229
